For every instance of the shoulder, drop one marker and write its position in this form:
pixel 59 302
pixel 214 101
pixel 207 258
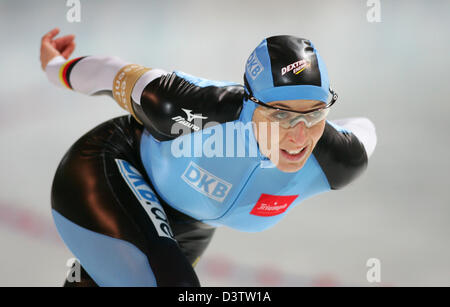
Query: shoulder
pixel 341 155
pixel 177 83
pixel 178 95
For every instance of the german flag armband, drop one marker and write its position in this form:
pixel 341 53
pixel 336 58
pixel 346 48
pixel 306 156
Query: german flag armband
pixel 65 70
pixel 123 85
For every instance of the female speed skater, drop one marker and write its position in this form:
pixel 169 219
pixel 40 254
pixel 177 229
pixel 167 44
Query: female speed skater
pixel 137 198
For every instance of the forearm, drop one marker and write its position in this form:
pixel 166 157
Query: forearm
pixel 363 129
pixel 87 75
pixel 98 74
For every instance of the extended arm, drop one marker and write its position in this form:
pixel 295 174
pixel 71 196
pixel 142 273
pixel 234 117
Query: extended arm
pixel 157 99
pixel 93 75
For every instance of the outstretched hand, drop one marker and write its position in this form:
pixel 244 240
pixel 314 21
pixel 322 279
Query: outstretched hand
pixel 51 47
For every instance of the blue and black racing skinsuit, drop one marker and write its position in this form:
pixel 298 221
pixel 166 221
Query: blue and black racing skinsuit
pixel 135 214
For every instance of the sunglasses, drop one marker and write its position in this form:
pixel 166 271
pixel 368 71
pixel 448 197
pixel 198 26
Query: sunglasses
pixel 290 118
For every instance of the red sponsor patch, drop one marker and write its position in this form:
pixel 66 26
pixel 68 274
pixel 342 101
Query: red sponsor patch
pixel 270 205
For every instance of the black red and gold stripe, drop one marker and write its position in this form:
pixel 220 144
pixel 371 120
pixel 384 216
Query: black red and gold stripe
pixel 64 71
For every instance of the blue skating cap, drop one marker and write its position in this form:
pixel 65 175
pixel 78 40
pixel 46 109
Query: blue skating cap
pixel 286 67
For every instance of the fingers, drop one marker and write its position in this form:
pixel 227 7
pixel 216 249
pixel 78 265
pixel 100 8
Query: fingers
pixel 51 47
pixel 50 35
pixel 62 42
pixel 68 51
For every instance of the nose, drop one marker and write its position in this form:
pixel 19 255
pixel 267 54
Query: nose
pixel 298 134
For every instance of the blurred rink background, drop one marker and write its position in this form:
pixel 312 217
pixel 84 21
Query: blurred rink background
pixel 395 72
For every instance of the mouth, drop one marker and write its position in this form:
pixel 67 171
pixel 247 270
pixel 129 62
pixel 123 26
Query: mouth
pixel 294 155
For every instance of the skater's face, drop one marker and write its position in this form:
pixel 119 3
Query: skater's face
pixel 287 146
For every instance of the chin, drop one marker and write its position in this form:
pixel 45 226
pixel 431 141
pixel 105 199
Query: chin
pixel 290 167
